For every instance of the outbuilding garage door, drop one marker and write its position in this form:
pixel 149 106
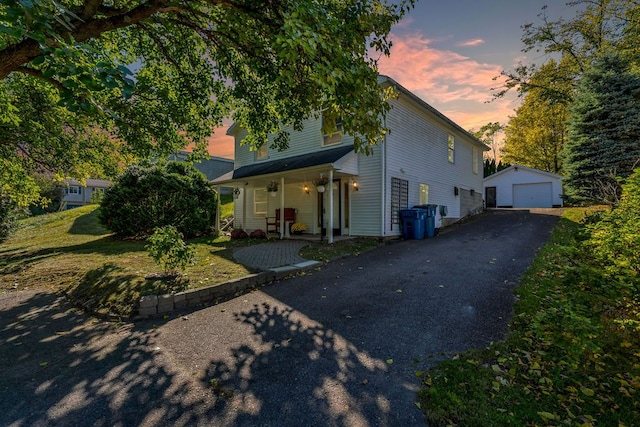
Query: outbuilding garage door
pixel 538 195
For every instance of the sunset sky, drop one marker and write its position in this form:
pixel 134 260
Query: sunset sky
pixel 448 51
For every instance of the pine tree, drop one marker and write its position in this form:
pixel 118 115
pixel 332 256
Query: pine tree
pixel 604 131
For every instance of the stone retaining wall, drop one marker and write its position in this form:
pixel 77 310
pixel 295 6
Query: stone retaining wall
pixel 152 305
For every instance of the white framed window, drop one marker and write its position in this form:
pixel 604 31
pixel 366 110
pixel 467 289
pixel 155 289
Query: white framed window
pixel 262 152
pixel 451 150
pixel 260 201
pixel 74 190
pixel 424 194
pixel 475 160
pixel 335 137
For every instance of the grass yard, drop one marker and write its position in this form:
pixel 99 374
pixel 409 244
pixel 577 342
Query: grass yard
pixel 572 356
pixel 71 252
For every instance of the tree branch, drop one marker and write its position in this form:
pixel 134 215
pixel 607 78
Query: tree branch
pixel 38 74
pixel 14 56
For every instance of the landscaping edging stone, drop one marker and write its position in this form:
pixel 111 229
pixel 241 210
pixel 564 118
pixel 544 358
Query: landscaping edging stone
pixel 153 305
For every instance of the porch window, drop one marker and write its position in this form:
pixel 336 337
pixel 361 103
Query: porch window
pixel 335 137
pixel 424 194
pixel 260 201
pixel 451 150
pixel 399 198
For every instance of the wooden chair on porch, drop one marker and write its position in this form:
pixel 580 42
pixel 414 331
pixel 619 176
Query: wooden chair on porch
pixel 273 222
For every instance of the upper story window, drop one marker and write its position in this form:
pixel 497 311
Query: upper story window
pixel 73 190
pixel 262 152
pixel 451 149
pixel 475 160
pixel 335 137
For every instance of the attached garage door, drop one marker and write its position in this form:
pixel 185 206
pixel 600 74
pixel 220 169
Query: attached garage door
pixel 536 195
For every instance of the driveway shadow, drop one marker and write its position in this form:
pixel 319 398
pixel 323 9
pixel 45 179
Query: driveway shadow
pixel 59 367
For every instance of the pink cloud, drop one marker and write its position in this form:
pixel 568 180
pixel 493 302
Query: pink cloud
pixel 471 43
pixel 456 85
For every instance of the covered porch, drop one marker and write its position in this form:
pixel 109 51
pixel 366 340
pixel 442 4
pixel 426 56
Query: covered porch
pixel 324 210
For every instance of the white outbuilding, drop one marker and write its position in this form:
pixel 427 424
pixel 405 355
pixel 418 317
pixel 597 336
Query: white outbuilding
pixel 522 187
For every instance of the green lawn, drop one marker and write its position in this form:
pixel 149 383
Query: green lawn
pixel 572 356
pixel 71 252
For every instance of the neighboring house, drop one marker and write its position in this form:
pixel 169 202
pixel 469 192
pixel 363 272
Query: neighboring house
pixel 212 167
pixel 76 194
pixel 425 158
pixel 522 187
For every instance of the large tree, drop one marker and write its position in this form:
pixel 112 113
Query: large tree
pixel 159 74
pixel 598 26
pixel 604 131
pixel 536 134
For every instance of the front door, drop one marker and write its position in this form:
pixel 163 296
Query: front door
pixel 490 197
pixel 323 209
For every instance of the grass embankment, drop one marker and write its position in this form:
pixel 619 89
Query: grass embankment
pixel 72 252
pixel 572 356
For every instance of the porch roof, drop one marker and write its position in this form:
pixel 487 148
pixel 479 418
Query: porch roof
pixel 318 158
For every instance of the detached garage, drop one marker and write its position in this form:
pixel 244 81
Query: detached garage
pixel 522 187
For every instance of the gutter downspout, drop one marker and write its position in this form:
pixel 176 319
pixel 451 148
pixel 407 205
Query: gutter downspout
pixel 383 176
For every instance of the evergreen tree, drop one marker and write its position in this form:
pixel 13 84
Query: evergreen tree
pixel 604 131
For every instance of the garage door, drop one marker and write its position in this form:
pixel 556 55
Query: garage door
pixel 536 195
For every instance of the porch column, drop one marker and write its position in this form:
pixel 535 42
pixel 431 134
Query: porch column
pixel 330 225
pixel 244 208
pixel 282 222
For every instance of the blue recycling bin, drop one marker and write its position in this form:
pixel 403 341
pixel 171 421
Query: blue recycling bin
pixel 412 223
pixel 429 219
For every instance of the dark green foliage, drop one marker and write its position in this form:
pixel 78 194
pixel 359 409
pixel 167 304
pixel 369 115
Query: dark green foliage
pixel 167 249
pixel 604 131
pixel 51 194
pixel 615 243
pixel 8 216
pixel 173 193
pixel 490 167
pixel 571 356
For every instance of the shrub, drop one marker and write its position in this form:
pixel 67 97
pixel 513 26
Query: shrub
pixel 238 233
pixel 145 198
pixel 258 234
pixel 9 213
pixel 168 250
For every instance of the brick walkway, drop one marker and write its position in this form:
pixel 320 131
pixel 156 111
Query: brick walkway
pixel 270 255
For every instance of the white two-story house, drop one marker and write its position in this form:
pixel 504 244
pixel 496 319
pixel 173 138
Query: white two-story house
pixel 426 158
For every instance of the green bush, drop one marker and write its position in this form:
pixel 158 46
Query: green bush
pixel 8 216
pixel 615 241
pixel 147 197
pixel 167 249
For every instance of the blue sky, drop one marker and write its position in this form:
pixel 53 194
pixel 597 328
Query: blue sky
pixel 448 51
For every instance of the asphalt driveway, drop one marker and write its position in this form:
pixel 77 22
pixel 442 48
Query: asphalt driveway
pixel 337 346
